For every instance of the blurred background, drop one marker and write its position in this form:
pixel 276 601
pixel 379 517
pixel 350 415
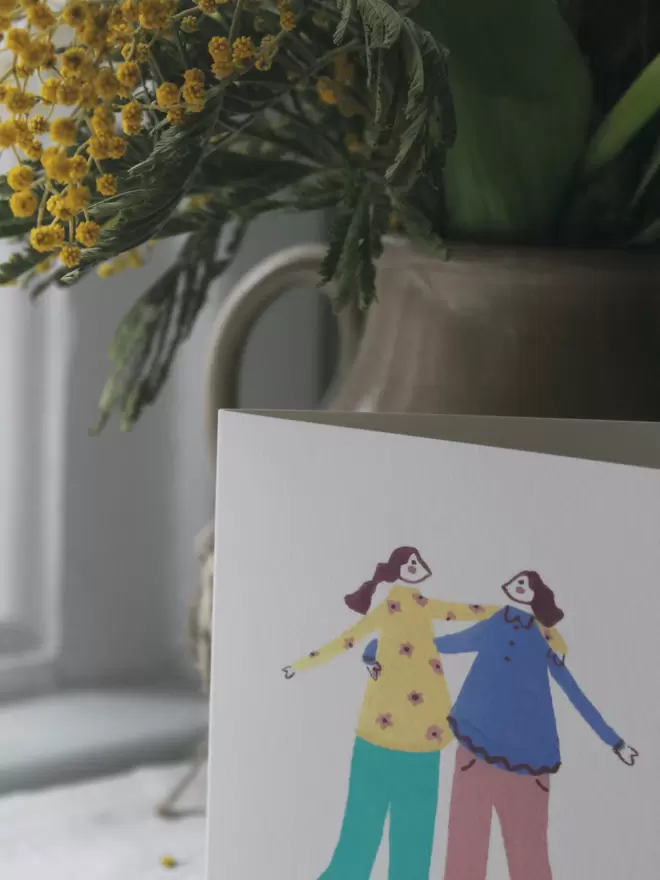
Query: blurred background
pixel 97 535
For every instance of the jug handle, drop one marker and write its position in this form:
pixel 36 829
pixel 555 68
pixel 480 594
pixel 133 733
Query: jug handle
pixel 296 266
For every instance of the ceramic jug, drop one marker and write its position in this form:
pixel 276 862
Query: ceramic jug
pixel 496 331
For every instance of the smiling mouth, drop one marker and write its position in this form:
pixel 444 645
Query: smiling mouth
pixel 416 573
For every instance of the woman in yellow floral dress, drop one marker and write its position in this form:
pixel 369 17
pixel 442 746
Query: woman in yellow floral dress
pixel 402 726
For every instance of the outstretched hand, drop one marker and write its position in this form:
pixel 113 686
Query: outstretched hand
pixel 627 754
pixel 288 672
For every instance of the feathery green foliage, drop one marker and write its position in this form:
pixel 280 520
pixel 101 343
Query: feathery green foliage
pixel 150 335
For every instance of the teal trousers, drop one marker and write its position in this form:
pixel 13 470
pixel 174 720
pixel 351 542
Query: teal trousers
pixel 403 784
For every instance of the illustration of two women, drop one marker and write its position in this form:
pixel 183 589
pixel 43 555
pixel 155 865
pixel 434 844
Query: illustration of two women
pixel 503 720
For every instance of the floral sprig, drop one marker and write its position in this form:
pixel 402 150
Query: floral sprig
pixel 64 106
pixel 131 121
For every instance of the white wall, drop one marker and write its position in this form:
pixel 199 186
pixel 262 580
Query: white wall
pixel 133 503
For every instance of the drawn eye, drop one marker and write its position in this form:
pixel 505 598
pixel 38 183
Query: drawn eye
pixel 521 581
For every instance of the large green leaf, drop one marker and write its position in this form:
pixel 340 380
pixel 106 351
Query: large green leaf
pixel 652 169
pixel 522 98
pixel 648 236
pixel 626 119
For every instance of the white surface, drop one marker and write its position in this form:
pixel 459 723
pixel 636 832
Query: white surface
pixel 104 830
pixel 66 737
pixel 304 514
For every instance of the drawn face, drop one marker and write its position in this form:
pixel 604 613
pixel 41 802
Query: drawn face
pixel 519 590
pixel 414 571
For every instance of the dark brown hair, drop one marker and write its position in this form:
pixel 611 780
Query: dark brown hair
pixel 386 572
pixel 544 607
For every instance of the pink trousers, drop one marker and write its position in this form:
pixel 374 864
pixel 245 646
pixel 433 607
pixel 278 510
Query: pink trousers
pixel 521 803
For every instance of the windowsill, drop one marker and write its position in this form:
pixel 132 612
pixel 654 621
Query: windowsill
pixel 105 828
pixel 71 736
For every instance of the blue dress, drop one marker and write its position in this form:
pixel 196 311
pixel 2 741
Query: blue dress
pixel 504 713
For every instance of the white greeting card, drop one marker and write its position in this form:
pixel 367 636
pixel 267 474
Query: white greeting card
pixel 434 659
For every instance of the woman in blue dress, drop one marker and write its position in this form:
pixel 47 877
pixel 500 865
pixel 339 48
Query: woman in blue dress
pixel 504 721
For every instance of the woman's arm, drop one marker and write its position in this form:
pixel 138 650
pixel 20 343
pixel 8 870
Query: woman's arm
pixel 460 611
pixel 457 611
pixel 580 701
pixel 347 640
pixel 468 641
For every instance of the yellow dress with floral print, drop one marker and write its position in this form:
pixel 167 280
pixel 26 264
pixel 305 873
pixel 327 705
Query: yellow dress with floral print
pixel 406 707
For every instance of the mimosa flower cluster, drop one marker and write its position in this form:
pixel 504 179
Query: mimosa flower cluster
pixel 81 82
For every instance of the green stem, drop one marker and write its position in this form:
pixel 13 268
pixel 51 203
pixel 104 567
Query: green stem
pixel 236 20
pixel 320 64
pixel 155 69
pixel 219 17
pixel 180 47
pixel 42 208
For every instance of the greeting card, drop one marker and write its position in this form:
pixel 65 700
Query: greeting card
pixel 433 658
